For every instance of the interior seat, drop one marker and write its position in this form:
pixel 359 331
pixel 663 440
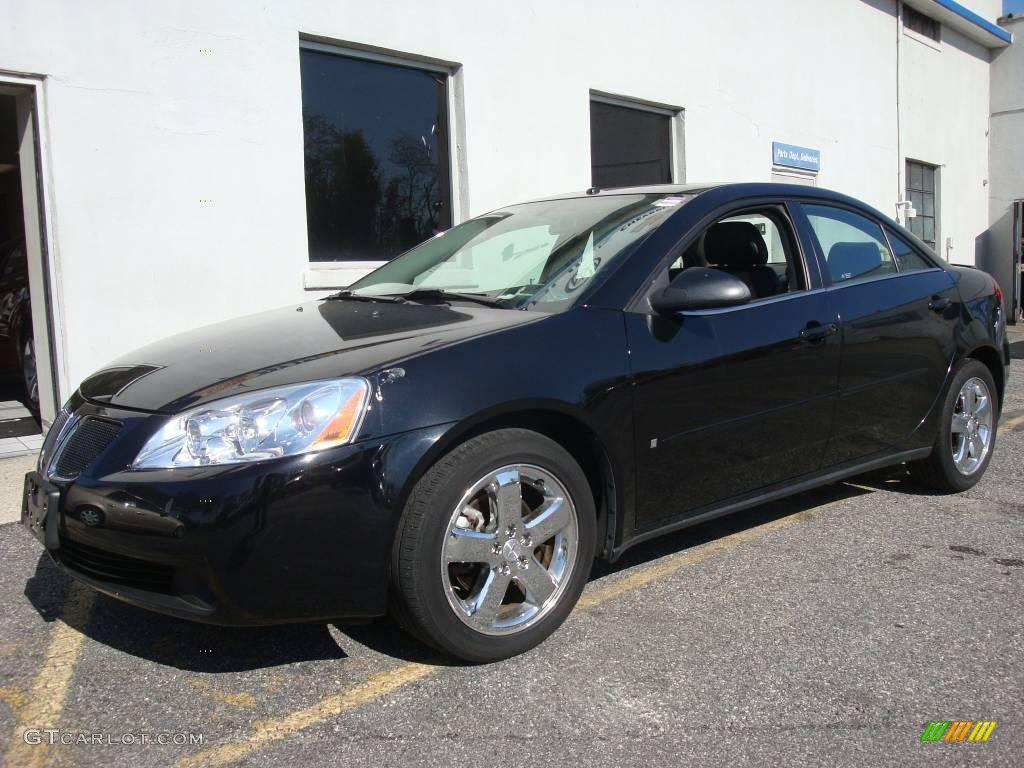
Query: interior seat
pixel 848 260
pixel 692 257
pixel 738 248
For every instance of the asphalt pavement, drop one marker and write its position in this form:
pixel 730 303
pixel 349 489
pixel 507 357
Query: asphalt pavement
pixel 826 629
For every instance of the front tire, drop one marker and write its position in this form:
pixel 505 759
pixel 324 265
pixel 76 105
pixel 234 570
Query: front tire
pixel 494 546
pixel 967 432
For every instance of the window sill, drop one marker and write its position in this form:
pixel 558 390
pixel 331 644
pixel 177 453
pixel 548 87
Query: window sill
pixel 923 39
pixel 333 276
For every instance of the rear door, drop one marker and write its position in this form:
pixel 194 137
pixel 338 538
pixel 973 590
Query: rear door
pixel 898 313
pixel 729 401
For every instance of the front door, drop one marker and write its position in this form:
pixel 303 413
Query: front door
pixel 733 400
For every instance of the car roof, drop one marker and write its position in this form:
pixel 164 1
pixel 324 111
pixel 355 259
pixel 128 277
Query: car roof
pixel 739 188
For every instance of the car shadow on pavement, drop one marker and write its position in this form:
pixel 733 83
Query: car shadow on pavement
pixel 205 648
pixel 165 640
pixel 896 480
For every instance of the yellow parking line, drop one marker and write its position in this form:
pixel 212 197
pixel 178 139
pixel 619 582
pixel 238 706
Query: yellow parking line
pixel 391 680
pixel 50 688
pixel 1014 422
pixel 273 730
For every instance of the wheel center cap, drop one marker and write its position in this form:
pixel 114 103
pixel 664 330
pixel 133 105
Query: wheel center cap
pixel 511 551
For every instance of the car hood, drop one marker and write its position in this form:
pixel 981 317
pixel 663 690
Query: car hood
pixel 317 340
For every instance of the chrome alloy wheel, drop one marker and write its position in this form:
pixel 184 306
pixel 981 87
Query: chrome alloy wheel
pixel 509 550
pixel 972 426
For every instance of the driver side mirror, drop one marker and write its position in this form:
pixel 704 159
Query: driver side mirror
pixel 701 288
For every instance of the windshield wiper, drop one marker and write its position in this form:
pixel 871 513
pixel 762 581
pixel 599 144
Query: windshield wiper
pixel 439 294
pixel 350 296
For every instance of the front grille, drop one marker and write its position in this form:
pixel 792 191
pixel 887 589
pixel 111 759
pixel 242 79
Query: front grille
pixel 116 569
pixel 87 439
pixel 52 434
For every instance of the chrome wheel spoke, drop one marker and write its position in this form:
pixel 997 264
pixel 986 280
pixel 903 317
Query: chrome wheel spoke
pixel 975 448
pixel 982 406
pixel 463 546
pixel 553 515
pixel 535 581
pixel 969 398
pixel 484 611
pixel 507 499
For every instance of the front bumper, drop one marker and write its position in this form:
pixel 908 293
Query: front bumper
pixel 302 538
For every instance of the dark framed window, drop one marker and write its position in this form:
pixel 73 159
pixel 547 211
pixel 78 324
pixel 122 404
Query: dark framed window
pixel 907 258
pixel 922 191
pixel 629 146
pixel 378 174
pixel 914 20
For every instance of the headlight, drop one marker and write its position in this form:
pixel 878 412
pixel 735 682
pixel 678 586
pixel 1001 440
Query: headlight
pixel 260 425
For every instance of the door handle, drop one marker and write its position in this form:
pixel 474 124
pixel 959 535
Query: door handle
pixel 816 332
pixel 939 304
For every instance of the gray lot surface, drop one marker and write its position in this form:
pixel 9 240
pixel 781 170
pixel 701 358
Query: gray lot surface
pixel 827 629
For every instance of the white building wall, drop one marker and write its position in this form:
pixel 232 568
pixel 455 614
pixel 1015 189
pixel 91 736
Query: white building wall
pixel 143 125
pixel 944 118
pixel 1006 157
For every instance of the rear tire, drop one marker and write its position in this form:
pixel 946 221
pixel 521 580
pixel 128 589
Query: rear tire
pixel 494 546
pixel 967 432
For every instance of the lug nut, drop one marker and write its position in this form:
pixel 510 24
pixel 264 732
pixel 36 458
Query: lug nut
pixel 524 563
pixel 511 531
pixel 503 569
pixel 526 540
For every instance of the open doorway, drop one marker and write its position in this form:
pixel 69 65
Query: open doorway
pixel 27 394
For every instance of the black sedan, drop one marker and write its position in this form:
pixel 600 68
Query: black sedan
pixel 458 435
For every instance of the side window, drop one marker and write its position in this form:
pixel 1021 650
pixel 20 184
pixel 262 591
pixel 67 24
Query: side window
pixel 853 245
pixel 757 246
pixel 907 258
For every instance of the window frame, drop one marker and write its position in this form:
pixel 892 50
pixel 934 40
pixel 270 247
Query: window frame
pixel 330 275
pixel 782 206
pixel 675 115
pixel 936 183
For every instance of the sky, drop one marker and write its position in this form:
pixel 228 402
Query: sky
pixel 1013 6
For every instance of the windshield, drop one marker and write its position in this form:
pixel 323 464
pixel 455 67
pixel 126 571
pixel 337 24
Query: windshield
pixel 534 255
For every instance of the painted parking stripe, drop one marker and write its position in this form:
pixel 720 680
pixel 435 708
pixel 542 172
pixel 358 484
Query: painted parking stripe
pixel 387 682
pixel 53 680
pixel 1013 423
pixel 270 731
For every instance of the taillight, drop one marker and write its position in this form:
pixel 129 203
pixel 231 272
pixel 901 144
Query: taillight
pixel 998 292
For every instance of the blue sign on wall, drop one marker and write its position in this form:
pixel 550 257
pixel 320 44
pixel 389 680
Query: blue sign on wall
pixel 791 156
